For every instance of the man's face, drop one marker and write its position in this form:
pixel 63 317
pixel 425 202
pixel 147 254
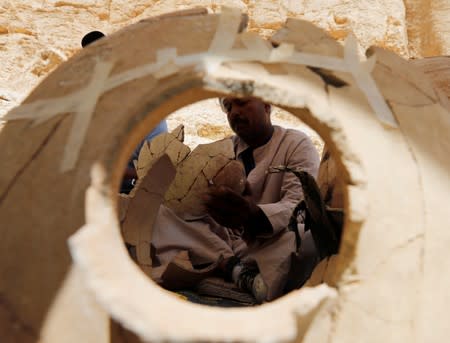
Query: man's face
pixel 248 117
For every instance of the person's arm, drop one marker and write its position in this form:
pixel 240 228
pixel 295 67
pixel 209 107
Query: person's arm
pixel 233 210
pixel 302 155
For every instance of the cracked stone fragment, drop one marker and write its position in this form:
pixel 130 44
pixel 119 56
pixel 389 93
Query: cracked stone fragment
pixel 142 208
pixel 166 143
pixel 208 162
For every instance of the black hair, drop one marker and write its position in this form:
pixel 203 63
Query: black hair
pixel 91 37
pixel 224 109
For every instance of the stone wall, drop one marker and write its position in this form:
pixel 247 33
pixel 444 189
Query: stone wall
pixel 38 35
pixel 428 27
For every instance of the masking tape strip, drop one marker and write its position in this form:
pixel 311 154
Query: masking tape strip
pixel 131 75
pixel 220 51
pixel 376 100
pixel 166 57
pixel 282 53
pixel 81 103
pixel 254 42
pixel 46 108
pixel 83 115
pixel 366 83
pixel 227 29
pixel 223 40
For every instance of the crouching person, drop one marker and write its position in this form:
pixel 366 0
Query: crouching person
pixel 243 236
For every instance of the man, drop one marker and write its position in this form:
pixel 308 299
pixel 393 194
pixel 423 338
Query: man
pixel 130 175
pixel 246 236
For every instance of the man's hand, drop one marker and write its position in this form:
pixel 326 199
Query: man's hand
pixel 229 208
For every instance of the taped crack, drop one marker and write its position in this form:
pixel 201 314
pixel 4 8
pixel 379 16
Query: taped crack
pixel 32 158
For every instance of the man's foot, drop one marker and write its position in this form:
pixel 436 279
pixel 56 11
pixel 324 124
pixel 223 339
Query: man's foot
pixel 249 279
pixel 259 289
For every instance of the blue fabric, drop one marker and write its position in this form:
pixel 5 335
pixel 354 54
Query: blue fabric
pixel 162 127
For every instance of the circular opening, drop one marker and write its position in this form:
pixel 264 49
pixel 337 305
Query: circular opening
pixel 180 247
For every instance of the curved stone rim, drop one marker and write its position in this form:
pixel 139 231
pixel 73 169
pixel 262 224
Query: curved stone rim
pixel 98 238
pixel 153 324
pixel 92 247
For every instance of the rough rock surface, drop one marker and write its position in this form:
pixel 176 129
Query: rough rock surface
pixel 428 27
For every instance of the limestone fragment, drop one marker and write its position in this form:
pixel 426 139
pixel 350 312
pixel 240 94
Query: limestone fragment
pixel 208 164
pixel 143 208
pixel 165 143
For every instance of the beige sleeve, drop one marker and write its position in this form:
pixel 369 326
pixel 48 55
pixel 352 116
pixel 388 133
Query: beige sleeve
pixel 303 156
